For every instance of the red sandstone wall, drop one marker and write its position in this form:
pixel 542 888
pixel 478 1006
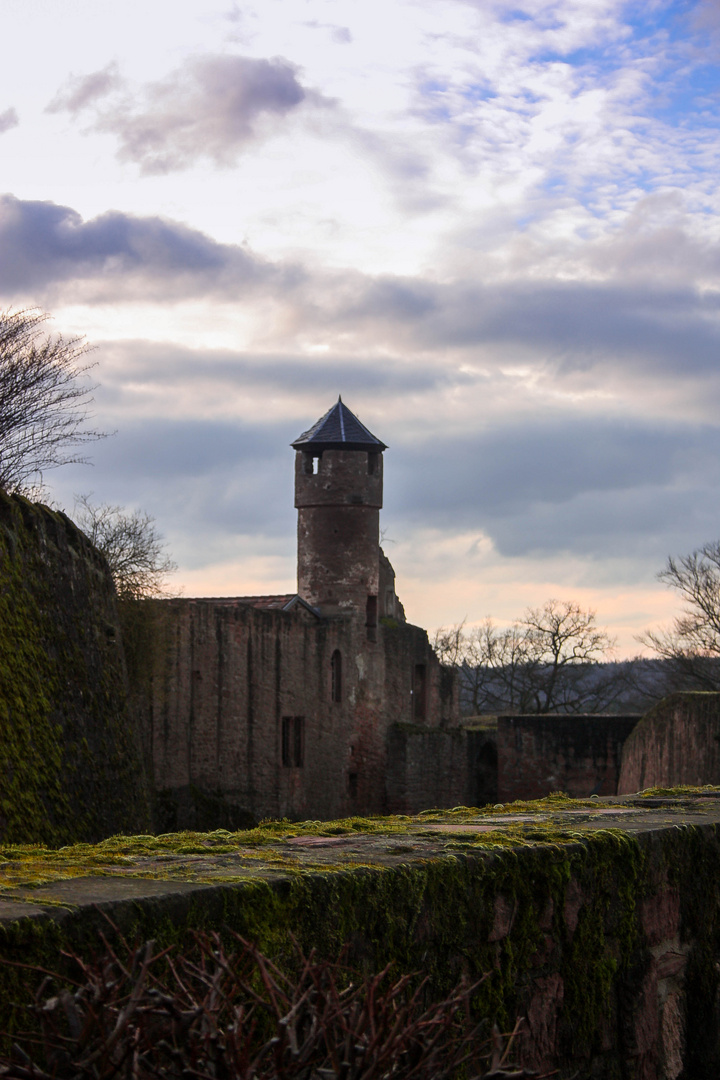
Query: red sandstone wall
pixel 677 742
pixel 226 674
pixel 576 754
pixel 338 529
pixel 439 767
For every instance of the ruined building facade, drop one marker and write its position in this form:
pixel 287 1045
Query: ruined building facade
pixel 317 704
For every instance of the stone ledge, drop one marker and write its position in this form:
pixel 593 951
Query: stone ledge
pixel 598 920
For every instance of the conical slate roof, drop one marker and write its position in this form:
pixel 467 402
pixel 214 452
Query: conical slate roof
pixel 339 429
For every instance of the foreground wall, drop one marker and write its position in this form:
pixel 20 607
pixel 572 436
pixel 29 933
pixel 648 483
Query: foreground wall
pixel 70 763
pixel 606 947
pixel 577 754
pixel 677 742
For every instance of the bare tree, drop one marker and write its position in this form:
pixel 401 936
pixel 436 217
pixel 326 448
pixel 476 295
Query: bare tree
pixel 692 644
pixel 134 549
pixel 547 661
pixel 44 400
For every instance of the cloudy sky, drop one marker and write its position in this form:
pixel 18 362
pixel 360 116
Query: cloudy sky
pixel 492 226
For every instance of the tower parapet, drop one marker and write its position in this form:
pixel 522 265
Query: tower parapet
pixel 338 494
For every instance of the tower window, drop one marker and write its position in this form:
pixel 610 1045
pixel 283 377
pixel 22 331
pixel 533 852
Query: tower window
pixel 336 675
pixel 371 618
pixel 293 741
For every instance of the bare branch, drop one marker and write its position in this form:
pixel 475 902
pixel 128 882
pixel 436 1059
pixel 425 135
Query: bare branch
pixel 692 643
pixel 134 549
pixel 44 400
pixel 544 662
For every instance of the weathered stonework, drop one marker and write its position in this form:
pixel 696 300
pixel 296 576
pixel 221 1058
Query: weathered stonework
pixel 70 762
pixel 285 706
pixel 226 679
pixel 595 923
pixel 677 742
pixel 577 754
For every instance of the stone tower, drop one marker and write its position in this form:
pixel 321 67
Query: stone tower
pixel 338 494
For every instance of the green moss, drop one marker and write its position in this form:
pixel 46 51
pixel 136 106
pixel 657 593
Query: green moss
pixel 681 789
pixel 519 906
pixel 69 764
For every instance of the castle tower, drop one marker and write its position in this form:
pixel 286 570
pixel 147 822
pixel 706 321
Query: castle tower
pixel 338 494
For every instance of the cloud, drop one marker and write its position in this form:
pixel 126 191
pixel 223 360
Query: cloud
pixel 593 486
pixel 80 91
pixel 211 107
pixel 176 374
pixel 563 330
pixel 552 325
pixel 8 119
pixel 117 256
pixel 208 479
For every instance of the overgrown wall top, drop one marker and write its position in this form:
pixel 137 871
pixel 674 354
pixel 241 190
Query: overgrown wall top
pixel 70 767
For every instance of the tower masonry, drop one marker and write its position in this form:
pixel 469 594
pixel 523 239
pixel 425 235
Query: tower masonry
pixel 338 495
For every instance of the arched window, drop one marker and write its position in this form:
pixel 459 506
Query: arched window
pixel 336 672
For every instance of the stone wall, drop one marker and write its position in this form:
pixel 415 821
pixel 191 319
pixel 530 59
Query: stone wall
pixel 576 754
pixel 677 742
pixel 440 767
pixel 239 720
pixel 70 762
pixel 605 946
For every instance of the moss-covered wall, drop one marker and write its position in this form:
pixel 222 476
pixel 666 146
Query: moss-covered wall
pixel 605 945
pixel 70 766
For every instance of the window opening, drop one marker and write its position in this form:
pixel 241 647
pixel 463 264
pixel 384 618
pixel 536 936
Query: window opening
pixel 371 618
pixel 372 464
pixel 353 784
pixel 336 672
pixel 419 692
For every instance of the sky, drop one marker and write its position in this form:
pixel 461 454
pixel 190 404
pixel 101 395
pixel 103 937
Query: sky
pixel 493 227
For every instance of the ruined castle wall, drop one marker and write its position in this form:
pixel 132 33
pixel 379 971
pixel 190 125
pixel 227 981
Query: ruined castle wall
pixel 439 767
pixel 70 761
pixel 677 742
pixel 226 679
pixel 577 754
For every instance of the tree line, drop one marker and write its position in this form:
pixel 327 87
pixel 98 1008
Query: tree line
pixel 556 659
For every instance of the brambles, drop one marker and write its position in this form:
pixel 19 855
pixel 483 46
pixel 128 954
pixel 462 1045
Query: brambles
pixel 237 1016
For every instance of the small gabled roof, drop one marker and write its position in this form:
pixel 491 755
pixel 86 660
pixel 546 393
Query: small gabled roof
pixel 339 429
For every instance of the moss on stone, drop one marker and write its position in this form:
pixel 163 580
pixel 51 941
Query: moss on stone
pixel 69 757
